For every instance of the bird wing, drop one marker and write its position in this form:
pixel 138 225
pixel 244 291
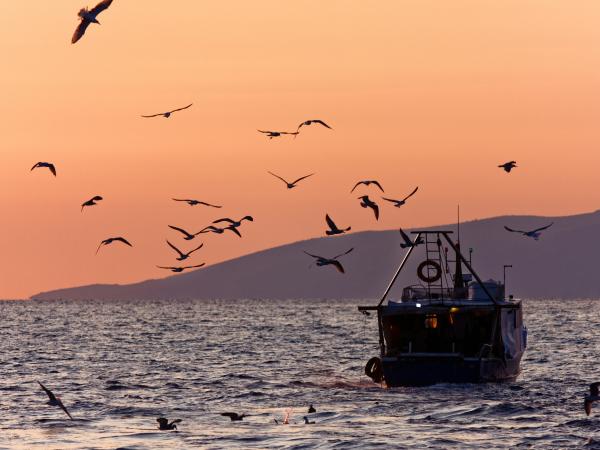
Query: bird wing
pixel 542 228
pixel 193 267
pixel 277 176
pixel 64 408
pixel 80 30
pixel 101 244
pixel 249 218
pixel 104 4
pixel 375 209
pixel 35 165
pixel 181 230
pixel 302 178
pixel 48 392
pixel 513 231
pixel 208 204
pixel 266 132
pixel 181 109
pixel 176 249
pixel 411 194
pixel 179 199
pixel 391 200
pixel 52 169
pixel 405 236
pixel 342 254
pixel 175 421
pixel 197 248
pixel 338 266
pixel 322 123
pixel 124 241
pixel 356 185
pixel 235 230
pixel 97 198
pixel 594 389
pixel 376 183
pixel 310 254
pixel 330 222
pixel 154 115
pixel 226 219
pixel 163 267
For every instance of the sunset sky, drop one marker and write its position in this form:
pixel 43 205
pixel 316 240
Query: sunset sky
pixel 427 93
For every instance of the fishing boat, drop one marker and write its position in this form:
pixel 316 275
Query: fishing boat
pixel 452 327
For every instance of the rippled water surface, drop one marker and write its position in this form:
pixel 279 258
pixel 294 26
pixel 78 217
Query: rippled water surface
pixel 119 365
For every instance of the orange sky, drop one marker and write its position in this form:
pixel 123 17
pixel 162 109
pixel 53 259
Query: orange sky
pixel 426 93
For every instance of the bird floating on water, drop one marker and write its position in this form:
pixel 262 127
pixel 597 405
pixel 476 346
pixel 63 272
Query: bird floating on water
pixel 367 183
pixel 183 256
pixel 91 202
pixel 274 134
pixel 308 422
pixel 333 228
pixel 168 113
pixel 311 409
pixel 293 183
pixel 310 122
pixel 234 416
pixel 164 424
pixel 53 400
pixel 50 166
pixel 508 166
pixel 180 268
pixel 187 236
pixel 366 202
pixel 408 242
pixel 322 261
pixel 535 234
pixel 399 203
pixel 88 16
pixel 591 398
pixel 193 202
pixel 111 240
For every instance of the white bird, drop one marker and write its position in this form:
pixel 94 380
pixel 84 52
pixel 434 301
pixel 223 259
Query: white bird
pixel 399 203
pixel 91 202
pixel 183 256
pixel 88 16
pixel 322 261
pixel 408 241
pixel 293 183
pixel 535 234
pixel 111 240
pixel 333 228
pixel 591 398
pixel 168 113
pixel 50 166
pixel 53 400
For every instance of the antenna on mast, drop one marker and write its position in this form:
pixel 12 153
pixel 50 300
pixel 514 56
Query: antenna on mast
pixel 458 221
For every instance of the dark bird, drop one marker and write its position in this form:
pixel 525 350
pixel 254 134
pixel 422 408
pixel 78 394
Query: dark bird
pixel 193 202
pixel 535 234
pixel 273 134
pixel 333 229
pixel 293 183
pixel 234 223
pixel 50 166
pixel 168 113
pixel 111 240
pixel 311 409
pixel 310 122
pixel 187 236
pixel 53 400
pixel 508 166
pixel 399 203
pixel 367 183
pixel 180 269
pixel 182 256
pixel 212 229
pixel 307 422
pixel 322 261
pixel 366 202
pixel 164 424
pixel 234 416
pixel 591 398
pixel 91 202
pixel 408 242
pixel 88 16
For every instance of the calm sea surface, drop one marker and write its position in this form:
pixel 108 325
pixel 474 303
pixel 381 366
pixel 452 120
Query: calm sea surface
pixel 119 365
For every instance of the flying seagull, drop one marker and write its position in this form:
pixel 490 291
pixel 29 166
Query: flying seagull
pixel 53 400
pixel 50 166
pixel 293 183
pixel 273 134
pixel 310 122
pixel 234 416
pixel 591 398
pixel 193 202
pixel 168 113
pixel 366 183
pixel 180 269
pixel 322 261
pixel 164 424
pixel 535 234
pixel 234 223
pixel 111 240
pixel 399 203
pixel 187 236
pixel 366 202
pixel 408 241
pixel 333 229
pixel 508 166
pixel 182 256
pixel 212 229
pixel 88 16
pixel 91 202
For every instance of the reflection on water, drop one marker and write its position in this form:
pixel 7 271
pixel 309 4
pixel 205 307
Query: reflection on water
pixel 119 365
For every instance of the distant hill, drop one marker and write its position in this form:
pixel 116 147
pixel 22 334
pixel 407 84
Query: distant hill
pixel 564 263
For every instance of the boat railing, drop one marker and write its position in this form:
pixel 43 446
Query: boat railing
pixel 421 292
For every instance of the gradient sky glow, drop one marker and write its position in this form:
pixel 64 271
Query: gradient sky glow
pixel 427 93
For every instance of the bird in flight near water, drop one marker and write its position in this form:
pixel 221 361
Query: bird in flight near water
pixel 111 240
pixel 91 202
pixel 508 166
pixel 88 16
pixel 274 134
pixel 399 203
pixel 180 269
pixel 48 165
pixel 366 202
pixel 310 122
pixel 293 183
pixel 193 202
pixel 53 400
pixel 322 261
pixel 333 228
pixel 535 234
pixel 182 256
pixel 367 183
pixel 168 113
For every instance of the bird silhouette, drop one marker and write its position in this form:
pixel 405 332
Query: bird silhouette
pixel 366 202
pixel 333 228
pixel 180 268
pixel 308 422
pixel 168 113
pixel 91 202
pixel 193 202
pixel 399 203
pixel 234 223
pixel 50 166
pixel 164 424
pixel 311 409
pixel 187 236
pixel 591 398
pixel 274 134
pixel 293 183
pixel 322 261
pixel 367 183
pixel 535 234
pixel 310 122
pixel 508 166
pixel 88 16
pixel 111 240
pixel 212 229
pixel 408 242
pixel 234 416
pixel 53 400
pixel 183 256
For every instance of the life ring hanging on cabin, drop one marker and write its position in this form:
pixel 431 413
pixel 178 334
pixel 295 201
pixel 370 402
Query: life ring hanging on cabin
pixel 423 275
pixel 373 369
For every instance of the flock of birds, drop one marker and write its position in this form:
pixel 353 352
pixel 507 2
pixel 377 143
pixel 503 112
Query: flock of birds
pixel 220 226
